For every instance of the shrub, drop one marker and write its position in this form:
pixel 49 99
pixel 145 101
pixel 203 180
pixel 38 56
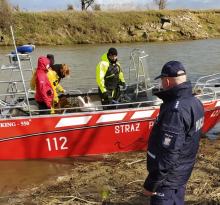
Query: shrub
pixel 70 7
pixel 5 14
pixel 96 7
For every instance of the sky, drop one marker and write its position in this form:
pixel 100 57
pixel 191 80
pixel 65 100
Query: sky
pixel 41 5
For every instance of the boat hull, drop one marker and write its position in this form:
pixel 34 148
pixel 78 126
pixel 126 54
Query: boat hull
pixel 80 134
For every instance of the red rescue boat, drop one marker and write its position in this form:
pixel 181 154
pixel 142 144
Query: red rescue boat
pixel 78 134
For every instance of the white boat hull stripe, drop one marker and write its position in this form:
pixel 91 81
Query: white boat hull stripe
pixel 71 121
pixel 142 114
pixel 83 120
pixel 111 117
pixel 217 104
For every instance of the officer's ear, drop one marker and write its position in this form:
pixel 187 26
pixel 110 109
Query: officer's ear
pixel 165 83
pixel 168 82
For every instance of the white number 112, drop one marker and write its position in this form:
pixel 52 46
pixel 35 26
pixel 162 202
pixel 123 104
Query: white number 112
pixel 57 143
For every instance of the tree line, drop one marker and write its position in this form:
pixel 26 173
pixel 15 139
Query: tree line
pixel 85 4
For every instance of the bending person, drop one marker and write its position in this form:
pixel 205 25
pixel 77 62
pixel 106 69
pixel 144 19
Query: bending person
pixel 109 76
pixel 55 74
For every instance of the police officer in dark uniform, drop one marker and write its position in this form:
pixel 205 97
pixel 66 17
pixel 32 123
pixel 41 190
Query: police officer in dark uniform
pixel 109 77
pixel 174 139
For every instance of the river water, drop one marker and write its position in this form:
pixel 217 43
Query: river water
pixel 199 57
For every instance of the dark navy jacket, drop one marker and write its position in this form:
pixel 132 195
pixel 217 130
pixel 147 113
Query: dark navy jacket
pixel 174 139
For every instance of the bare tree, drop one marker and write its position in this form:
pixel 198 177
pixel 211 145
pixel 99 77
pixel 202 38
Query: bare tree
pixel 161 4
pixel 85 4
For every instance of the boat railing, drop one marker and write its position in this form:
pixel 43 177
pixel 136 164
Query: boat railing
pixel 14 89
pixel 93 90
pixel 208 94
pixel 9 66
pixel 8 109
pixel 208 81
pixel 77 91
pixel 19 64
pixel 22 109
pixel 208 87
pixel 110 107
pixel 3 103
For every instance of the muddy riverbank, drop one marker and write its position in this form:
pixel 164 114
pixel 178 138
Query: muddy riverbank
pixel 118 179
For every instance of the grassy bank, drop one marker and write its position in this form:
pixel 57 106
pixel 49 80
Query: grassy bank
pixel 72 27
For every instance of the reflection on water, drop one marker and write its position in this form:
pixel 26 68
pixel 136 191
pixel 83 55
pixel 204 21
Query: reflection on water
pixel 15 175
pixel 22 174
pixel 199 57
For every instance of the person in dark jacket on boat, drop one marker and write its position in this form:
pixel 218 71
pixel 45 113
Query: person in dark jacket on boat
pixel 109 77
pixel 174 139
pixel 51 59
pixel 44 92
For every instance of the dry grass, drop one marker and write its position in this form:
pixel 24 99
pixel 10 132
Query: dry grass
pixel 70 27
pixel 118 179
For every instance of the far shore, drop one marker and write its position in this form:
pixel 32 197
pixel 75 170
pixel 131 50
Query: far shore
pixel 72 27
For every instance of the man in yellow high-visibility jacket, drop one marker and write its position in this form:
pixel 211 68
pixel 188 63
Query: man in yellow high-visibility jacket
pixel 109 76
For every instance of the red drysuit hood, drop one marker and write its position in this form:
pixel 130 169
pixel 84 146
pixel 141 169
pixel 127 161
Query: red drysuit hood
pixel 43 63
